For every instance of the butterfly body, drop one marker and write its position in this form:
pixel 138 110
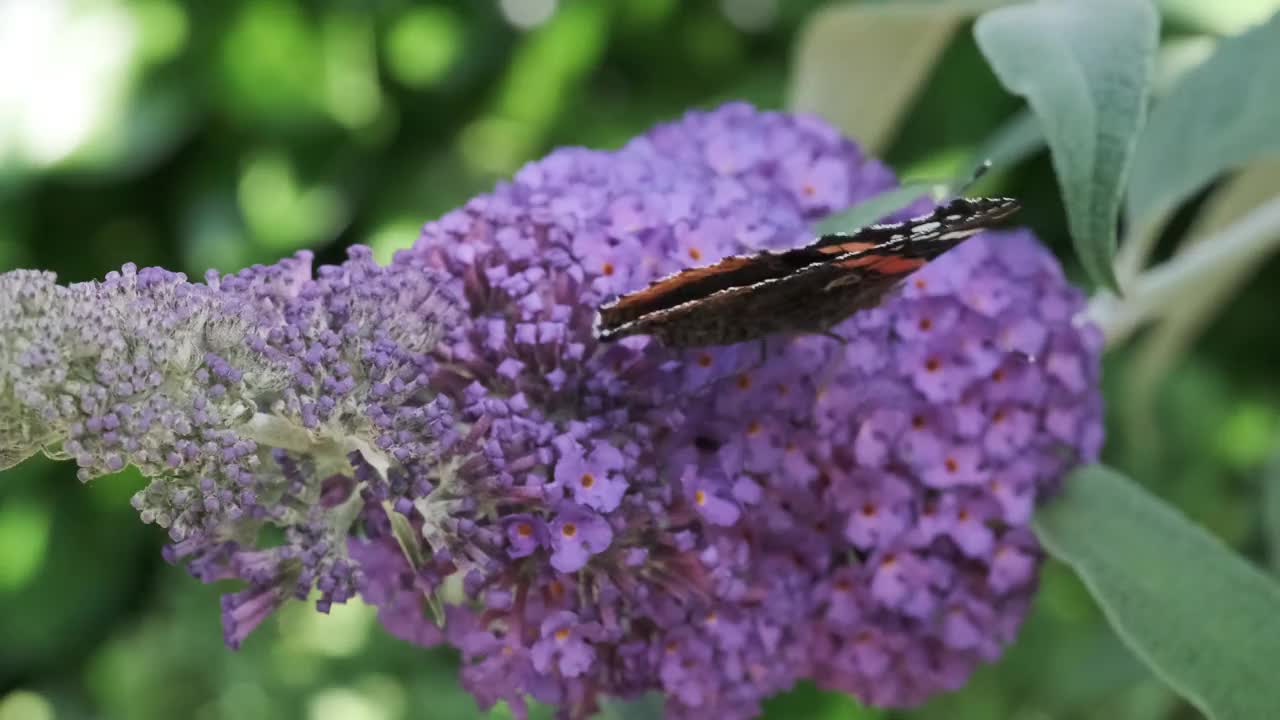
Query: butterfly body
pixel 806 289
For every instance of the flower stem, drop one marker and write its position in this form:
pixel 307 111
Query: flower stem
pixel 1156 291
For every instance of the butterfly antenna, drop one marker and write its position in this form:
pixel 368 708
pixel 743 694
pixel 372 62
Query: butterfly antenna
pixel 978 172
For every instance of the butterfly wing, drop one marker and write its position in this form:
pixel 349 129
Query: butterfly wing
pixel 744 297
pixel 915 242
pixel 701 282
pixel 959 214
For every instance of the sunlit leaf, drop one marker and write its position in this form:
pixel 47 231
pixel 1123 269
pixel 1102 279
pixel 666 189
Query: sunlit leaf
pixel 860 65
pixel 1177 57
pixel 1084 67
pixel 1199 615
pixel 1222 115
pixel 1220 16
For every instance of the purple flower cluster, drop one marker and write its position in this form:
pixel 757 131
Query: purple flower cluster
pixel 243 399
pixel 445 437
pixel 715 527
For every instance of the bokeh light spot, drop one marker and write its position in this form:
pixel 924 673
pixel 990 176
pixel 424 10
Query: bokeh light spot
pixel 526 14
pixel 495 145
pixel 352 92
pixel 25 705
pixel 271 64
pixel 423 44
pixel 281 213
pixel 163 28
pixel 24 539
pixel 343 632
pixel 345 704
pixel 392 235
pixel 750 15
pixel 75 73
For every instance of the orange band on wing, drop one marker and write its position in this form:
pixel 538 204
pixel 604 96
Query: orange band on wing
pixel 845 248
pixel 884 264
pixel 681 279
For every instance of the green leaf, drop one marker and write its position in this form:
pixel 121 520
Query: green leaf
pixel 1223 114
pixel 860 65
pixel 875 207
pixel 1200 616
pixel 645 707
pixel 1084 67
pixel 807 701
pixel 1223 17
pixel 406 537
pixel 1168 341
pixel 1271 510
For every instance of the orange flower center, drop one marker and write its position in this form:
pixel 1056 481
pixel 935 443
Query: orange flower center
pixel 569 530
pixel 607 269
pixel 700 498
pixel 704 360
pixel 695 253
pixel 562 634
pixel 524 529
pixel 587 480
pixel 932 364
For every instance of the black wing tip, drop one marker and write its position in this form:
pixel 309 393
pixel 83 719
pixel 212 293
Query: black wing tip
pixel 999 206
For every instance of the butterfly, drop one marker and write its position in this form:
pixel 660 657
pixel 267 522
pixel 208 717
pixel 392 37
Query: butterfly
pixel 805 289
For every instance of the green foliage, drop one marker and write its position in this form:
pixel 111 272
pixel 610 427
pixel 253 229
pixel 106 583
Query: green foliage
pixel 1199 615
pixel 1271 510
pixel 1168 341
pixel 1085 68
pixel 1222 115
pixel 875 208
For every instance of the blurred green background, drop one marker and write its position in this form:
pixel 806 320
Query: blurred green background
pixel 220 134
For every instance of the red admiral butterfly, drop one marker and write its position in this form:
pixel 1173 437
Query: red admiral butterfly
pixel 806 289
